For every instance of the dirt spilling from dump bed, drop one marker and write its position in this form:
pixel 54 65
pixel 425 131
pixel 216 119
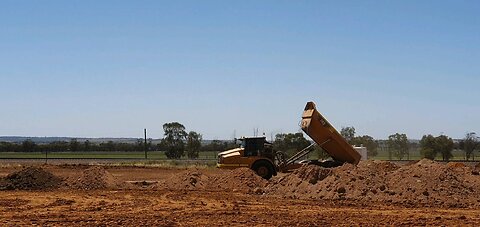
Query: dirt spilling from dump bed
pixel 425 183
pixel 241 180
pixel 30 178
pixel 95 177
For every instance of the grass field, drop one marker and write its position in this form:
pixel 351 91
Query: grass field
pixel 159 155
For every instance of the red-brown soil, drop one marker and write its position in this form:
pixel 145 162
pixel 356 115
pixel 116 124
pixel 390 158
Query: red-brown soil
pixel 423 184
pixel 95 177
pixel 204 197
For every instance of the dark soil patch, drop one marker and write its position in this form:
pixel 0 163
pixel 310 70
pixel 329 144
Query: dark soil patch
pixel 30 178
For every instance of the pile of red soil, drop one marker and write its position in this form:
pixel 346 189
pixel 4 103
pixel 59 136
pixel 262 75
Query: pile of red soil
pixel 30 178
pixel 188 180
pixel 425 183
pixel 241 179
pixel 95 177
pixel 429 182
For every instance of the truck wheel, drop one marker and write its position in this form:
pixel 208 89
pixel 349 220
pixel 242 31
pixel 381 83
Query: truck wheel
pixel 263 169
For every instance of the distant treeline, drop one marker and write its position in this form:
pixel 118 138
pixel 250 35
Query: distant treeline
pixel 43 140
pixel 75 146
pixel 177 143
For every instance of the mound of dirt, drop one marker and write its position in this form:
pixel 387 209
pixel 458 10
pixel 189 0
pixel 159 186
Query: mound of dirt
pixel 431 183
pixel 424 183
pixel 241 179
pixel 95 177
pixel 346 181
pixel 188 180
pixel 31 178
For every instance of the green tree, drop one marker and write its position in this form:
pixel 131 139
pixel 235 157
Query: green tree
pixel 367 141
pixel 174 139
pixel 469 144
pixel 348 133
pixel 87 145
pixel 428 153
pixel 28 146
pixel 9 147
pixel 444 145
pixel 74 145
pixel 108 146
pixel 139 145
pixel 290 142
pixel 57 146
pixel 398 143
pixel 194 143
pixel 428 147
pixel 149 145
pixel 216 145
pixel 431 146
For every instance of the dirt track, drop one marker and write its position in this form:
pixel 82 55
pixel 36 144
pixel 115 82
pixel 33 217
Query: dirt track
pixel 179 197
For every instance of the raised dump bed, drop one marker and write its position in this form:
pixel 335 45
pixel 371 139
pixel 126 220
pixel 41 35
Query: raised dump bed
pixel 326 136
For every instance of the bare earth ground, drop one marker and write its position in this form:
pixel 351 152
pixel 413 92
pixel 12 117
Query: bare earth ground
pixel 164 200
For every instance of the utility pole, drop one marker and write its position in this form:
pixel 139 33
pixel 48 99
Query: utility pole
pixel 145 133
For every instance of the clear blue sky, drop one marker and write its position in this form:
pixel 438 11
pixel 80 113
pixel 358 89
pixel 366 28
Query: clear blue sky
pixel 111 68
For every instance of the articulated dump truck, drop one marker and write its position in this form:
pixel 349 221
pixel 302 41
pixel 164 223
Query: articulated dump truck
pixel 258 154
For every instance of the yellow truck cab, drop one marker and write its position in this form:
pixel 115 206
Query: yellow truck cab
pixel 255 153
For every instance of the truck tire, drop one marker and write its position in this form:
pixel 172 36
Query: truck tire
pixel 263 169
